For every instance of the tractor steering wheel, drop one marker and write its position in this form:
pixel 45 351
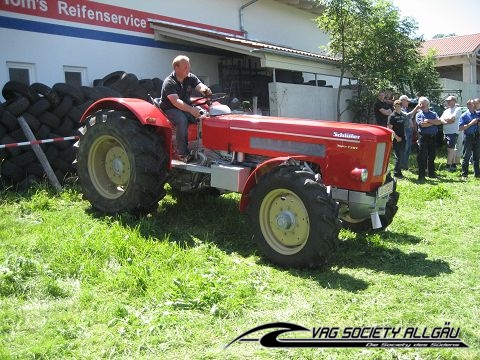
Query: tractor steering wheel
pixel 208 99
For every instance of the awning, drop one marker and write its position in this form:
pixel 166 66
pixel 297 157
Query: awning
pixel 270 55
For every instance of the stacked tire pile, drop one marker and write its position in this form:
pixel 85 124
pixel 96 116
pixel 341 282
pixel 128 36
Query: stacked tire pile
pixel 55 112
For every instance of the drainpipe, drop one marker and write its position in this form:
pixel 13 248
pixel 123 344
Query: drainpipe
pixel 240 14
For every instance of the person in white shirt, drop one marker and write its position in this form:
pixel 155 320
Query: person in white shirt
pixel 450 118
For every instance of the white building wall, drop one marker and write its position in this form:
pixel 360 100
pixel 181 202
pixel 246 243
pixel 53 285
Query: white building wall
pixel 264 20
pixel 310 102
pixel 50 38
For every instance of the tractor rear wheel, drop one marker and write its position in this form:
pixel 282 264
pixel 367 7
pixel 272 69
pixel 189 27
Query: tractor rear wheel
pixel 122 164
pixel 293 218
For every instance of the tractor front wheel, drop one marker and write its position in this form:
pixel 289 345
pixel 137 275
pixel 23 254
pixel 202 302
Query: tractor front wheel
pixel 122 164
pixel 294 219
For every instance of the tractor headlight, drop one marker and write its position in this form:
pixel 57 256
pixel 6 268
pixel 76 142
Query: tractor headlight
pixel 360 174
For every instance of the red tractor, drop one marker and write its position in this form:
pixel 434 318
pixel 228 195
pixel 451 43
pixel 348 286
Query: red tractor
pixel 300 180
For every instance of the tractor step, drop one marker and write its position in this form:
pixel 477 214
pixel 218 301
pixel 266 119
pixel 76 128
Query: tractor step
pixel 191 167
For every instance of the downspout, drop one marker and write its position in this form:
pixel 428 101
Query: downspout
pixel 240 14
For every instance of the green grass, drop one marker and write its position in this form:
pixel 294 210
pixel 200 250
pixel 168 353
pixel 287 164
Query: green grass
pixel 184 282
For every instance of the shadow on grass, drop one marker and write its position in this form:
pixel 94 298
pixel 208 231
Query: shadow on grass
pixel 362 253
pixel 188 218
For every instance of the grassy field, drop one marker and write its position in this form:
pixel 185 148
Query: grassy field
pixel 186 281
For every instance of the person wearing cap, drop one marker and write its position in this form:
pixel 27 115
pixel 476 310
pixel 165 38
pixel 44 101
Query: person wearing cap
pixel 409 128
pixel 471 143
pixel 381 109
pixel 427 122
pixel 450 118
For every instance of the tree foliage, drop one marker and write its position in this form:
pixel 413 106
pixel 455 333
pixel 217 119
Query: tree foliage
pixel 376 47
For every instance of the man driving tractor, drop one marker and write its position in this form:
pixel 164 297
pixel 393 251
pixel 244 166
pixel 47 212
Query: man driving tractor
pixel 175 100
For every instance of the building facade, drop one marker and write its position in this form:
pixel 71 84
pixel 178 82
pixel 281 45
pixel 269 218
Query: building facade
pixel 239 46
pixel 458 63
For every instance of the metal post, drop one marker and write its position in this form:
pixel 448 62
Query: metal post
pixel 40 154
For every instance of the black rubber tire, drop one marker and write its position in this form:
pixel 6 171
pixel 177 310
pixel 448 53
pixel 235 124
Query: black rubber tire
pixel 35 168
pixel 17 106
pixel 365 225
pixel 127 83
pixel 65 128
pixel 3 131
pixel 46 92
pixel 64 107
pixel 9 121
pixel 108 92
pixel 12 172
pixel 74 92
pixel 91 93
pixel 147 84
pixel 139 93
pixel 111 78
pixel 18 135
pixel 43 132
pixel 39 107
pixel 24 158
pixel 83 107
pixel 122 164
pixel 13 89
pixel 60 145
pixel 32 121
pixel 75 114
pixel 61 164
pixel 294 219
pixel 51 153
pixel 50 119
pixel 157 83
pixel 12 151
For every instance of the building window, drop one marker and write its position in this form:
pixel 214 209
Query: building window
pixel 75 75
pixel 21 72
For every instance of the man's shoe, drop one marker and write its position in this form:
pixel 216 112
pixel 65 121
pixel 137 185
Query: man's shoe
pixel 421 179
pixel 433 176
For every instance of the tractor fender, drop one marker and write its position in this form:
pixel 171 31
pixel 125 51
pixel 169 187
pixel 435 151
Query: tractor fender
pixel 145 112
pixel 261 170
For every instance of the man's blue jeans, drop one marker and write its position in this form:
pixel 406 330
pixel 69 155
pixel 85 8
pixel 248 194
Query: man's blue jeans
pixel 408 147
pixel 180 120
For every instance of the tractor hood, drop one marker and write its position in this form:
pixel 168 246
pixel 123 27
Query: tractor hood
pixel 341 149
pixel 237 131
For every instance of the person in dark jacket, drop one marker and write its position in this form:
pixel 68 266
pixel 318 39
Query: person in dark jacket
pixel 427 122
pixel 471 140
pixel 396 122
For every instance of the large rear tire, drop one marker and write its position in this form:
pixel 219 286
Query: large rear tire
pixel 122 165
pixel 293 218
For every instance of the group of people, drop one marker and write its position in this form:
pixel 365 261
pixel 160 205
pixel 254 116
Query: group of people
pixel 460 133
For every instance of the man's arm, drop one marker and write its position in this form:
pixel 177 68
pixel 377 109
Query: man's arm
pixel 182 105
pixel 467 125
pixel 385 112
pixel 204 89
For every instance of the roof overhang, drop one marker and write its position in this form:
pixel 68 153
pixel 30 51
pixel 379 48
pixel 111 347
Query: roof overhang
pixel 270 55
